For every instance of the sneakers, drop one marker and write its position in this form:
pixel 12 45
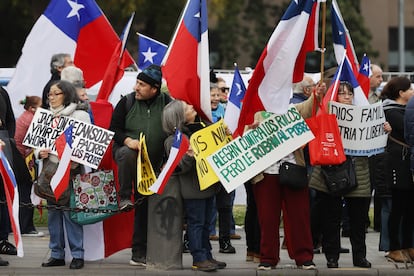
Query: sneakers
pixel 33 233
pixel 226 247
pixel 265 266
pixel 205 265
pixel 309 265
pixel 186 248
pixel 7 248
pixel 125 204
pixel 138 261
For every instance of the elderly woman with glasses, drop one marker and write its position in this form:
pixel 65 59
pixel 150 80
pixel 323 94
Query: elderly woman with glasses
pixel 63 101
pixel 328 208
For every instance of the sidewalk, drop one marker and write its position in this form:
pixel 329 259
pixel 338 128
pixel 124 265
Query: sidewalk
pixel 36 251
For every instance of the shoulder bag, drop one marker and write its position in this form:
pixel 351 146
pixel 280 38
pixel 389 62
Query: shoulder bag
pixel 293 176
pixel 340 179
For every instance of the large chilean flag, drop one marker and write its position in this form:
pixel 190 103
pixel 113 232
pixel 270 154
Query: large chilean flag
pixel 281 62
pixel 75 27
pixel 186 66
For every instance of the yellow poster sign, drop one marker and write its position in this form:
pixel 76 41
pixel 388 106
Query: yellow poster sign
pixel 145 174
pixel 205 142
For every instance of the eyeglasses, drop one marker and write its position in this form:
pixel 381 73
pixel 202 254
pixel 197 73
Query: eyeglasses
pixel 54 94
pixel 343 94
pixel 224 89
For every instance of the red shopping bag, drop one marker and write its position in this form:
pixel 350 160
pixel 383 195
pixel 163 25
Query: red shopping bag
pixel 326 148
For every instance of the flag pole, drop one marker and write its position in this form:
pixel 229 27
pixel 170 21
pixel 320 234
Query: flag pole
pixel 323 39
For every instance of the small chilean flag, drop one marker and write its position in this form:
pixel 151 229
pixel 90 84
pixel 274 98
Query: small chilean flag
pixel 232 114
pixel 364 74
pixel 186 66
pixel 179 148
pixel 342 39
pixel 60 179
pixel 345 73
pixel 12 197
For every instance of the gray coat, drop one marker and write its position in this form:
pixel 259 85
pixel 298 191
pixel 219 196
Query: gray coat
pixel 185 175
pixel 362 174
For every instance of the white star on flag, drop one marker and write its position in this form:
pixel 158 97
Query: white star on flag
pixel 75 9
pixel 149 55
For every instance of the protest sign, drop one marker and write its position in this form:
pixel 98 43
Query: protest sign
pixel 89 141
pixel 204 142
pixel 145 173
pixel 257 149
pixel 361 128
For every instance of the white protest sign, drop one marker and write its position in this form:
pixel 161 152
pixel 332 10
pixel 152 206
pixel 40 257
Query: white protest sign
pixel 257 149
pixel 89 141
pixel 361 128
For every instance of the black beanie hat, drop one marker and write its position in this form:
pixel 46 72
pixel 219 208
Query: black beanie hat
pixel 151 75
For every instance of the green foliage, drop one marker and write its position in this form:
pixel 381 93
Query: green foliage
pixel 236 28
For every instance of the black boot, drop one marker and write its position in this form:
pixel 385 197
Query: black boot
pixel 226 247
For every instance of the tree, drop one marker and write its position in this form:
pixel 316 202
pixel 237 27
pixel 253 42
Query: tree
pixel 237 29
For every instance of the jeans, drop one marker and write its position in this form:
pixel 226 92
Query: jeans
pixel 384 244
pixel 74 232
pixel 199 213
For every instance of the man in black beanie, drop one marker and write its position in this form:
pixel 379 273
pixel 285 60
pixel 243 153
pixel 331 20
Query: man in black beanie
pixel 136 113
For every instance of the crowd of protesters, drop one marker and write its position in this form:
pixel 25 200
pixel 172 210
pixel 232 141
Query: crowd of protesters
pixel 145 109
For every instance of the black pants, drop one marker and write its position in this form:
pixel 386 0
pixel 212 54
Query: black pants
pixel 251 223
pixel 139 237
pixel 401 220
pixel 24 184
pixel 224 209
pixel 330 208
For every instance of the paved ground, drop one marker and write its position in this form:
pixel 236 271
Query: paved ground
pixel 37 251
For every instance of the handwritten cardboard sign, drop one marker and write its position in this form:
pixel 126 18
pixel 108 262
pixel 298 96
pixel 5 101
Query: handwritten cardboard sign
pixel 90 142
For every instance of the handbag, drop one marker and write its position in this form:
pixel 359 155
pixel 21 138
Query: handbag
pixel 326 148
pixel 293 176
pixel 340 179
pixel 96 191
pixel 42 188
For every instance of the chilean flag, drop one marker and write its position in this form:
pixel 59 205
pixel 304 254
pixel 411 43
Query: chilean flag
pixel 60 179
pixel 78 28
pixel 345 73
pixel 120 60
pixel 150 51
pixel 237 91
pixel 364 74
pixel 179 148
pixel 12 197
pixel 186 65
pixel 270 87
pixel 342 39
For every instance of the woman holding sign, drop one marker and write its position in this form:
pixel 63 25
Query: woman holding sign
pixel 63 101
pixel 199 205
pixel 270 195
pixel 329 205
